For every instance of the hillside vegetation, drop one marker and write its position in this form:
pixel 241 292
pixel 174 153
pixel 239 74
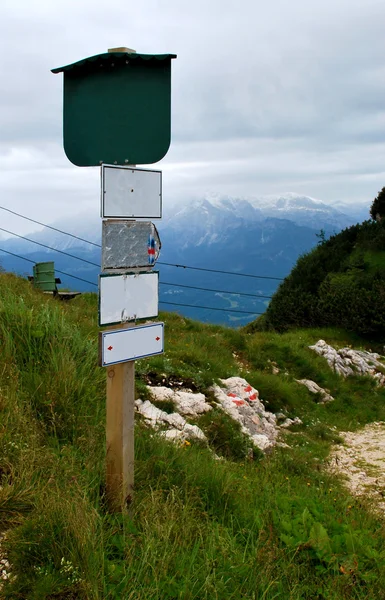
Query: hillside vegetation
pixel 271 527
pixel 340 283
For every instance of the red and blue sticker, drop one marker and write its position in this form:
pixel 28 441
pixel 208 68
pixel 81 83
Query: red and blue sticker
pixel 151 245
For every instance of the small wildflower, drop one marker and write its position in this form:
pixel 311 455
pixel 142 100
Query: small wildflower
pixel 308 483
pixel 187 443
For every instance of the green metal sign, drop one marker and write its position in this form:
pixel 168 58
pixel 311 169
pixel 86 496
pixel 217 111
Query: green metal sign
pixel 117 108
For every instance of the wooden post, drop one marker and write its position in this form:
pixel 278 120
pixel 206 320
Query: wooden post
pixel 120 421
pixel 120 435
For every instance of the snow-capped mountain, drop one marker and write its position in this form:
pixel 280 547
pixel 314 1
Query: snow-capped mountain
pixel 200 221
pixel 214 212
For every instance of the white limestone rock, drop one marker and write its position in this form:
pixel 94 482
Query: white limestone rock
pixel 347 362
pixel 178 428
pixel 288 422
pixel 156 417
pixel 174 435
pixel 314 388
pixel 261 441
pixel 189 432
pixel 187 403
pixel 234 395
pixel 241 402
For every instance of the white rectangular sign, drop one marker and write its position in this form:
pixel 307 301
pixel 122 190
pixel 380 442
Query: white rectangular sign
pixel 129 193
pixel 127 297
pixel 123 345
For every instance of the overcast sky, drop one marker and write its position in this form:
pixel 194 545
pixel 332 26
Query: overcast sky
pixel 267 97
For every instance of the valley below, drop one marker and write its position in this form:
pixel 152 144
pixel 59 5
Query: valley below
pixel 259 237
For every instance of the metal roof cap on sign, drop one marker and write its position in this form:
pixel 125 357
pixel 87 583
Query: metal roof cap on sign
pixel 117 108
pixel 111 57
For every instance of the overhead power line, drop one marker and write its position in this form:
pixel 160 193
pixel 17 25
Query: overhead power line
pixel 218 271
pixel 56 270
pixel 50 248
pixel 194 287
pixel 18 256
pixel 99 246
pixel 245 312
pixel 98 265
pixel 50 227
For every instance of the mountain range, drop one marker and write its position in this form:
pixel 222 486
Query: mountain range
pixel 259 236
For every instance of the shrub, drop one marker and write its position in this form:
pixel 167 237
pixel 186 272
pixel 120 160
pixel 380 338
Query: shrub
pixel 339 283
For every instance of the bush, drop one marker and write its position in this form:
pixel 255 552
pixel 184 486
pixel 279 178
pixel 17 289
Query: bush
pixel 377 210
pixel 339 283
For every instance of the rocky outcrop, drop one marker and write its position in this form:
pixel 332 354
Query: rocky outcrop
pixel 187 403
pixel 176 427
pixel 241 401
pixel 347 362
pixel 235 396
pixel 314 388
pixel 289 422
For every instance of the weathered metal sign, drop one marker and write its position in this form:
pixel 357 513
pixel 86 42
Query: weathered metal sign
pixel 122 345
pixel 128 193
pixel 117 108
pixel 129 245
pixel 128 297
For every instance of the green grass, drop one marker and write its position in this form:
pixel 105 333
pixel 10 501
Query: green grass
pixel 201 528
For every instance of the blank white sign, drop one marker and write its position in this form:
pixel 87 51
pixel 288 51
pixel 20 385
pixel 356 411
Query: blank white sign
pixel 128 297
pixel 129 193
pixel 122 345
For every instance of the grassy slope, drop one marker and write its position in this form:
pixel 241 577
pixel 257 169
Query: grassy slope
pixel 279 527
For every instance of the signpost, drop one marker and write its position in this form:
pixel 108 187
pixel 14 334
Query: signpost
pixel 117 113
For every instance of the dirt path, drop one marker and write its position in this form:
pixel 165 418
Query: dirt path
pixel 361 460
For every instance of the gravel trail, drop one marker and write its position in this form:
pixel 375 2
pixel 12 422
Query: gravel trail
pixel 361 461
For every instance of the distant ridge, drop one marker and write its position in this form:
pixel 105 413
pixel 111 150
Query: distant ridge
pixel 260 235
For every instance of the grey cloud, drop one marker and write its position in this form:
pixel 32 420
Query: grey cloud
pixel 267 96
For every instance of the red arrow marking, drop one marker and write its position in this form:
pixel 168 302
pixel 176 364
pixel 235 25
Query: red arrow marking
pixel 157 339
pixel 109 347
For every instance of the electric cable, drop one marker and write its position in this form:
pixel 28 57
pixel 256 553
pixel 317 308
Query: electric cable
pixel 99 246
pixel 160 302
pixel 219 271
pixel 49 227
pixel 56 270
pixel 98 265
pixel 50 248
pixel 194 287
pixel 245 312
